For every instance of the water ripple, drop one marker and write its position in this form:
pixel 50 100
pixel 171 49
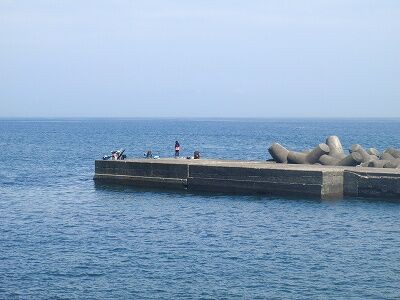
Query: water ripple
pixel 63 237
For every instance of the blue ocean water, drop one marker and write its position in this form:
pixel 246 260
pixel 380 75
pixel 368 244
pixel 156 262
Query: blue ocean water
pixel 63 237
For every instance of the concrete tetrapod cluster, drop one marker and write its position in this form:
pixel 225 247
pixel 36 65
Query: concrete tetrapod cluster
pixel 331 154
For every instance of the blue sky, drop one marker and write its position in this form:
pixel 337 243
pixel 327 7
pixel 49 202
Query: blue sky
pixel 170 58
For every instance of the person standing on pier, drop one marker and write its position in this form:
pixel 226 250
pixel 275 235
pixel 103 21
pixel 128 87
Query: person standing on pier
pixel 177 148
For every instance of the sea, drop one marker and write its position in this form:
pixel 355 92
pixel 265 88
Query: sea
pixel 64 237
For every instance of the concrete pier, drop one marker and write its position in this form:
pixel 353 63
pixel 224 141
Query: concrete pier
pixel 252 177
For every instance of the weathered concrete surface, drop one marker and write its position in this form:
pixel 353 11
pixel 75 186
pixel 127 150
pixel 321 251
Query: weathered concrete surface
pixel 252 177
pixel 142 172
pixel 372 183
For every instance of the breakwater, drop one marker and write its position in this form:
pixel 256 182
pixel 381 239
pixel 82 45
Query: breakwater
pixel 252 177
pixel 331 153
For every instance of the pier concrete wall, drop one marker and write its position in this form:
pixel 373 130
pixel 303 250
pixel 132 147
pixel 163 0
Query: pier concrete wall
pixel 142 173
pixel 252 177
pixel 372 183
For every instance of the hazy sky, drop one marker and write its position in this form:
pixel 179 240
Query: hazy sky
pixel 171 58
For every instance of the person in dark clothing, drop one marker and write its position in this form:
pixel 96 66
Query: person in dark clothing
pixel 177 148
pixel 148 154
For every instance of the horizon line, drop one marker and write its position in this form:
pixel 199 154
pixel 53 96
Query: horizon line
pixel 193 118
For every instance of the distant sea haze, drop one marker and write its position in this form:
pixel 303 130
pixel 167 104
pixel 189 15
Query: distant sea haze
pixel 62 236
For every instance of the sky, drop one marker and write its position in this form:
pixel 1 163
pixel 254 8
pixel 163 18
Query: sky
pixel 209 58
